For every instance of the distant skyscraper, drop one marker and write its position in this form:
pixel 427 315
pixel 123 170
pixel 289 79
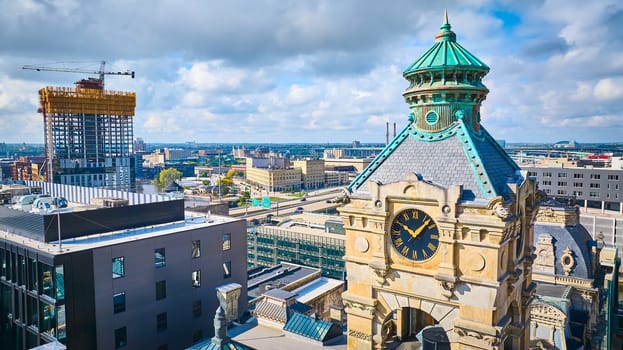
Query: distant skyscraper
pixel 139 145
pixel 88 135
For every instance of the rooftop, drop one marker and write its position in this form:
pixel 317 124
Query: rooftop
pixel 316 288
pixel 87 242
pixel 276 277
pixel 267 338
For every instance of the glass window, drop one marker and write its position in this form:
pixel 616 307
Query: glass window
pixel 33 311
pixel 47 319
pixel 59 282
pixel 17 306
pixel 595 176
pixel 32 275
pixel 159 257
pixel 45 271
pixel 3 263
pixel 562 174
pixel 196 276
pixel 196 250
pixel 118 267
pixel 61 332
pixel 226 241
pixel 196 308
pixel 121 337
pixel 227 269
pixel 21 270
pixel 13 267
pixel 118 301
pixel 161 290
pixel 161 322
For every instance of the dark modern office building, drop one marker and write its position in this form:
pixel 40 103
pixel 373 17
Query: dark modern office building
pixel 131 277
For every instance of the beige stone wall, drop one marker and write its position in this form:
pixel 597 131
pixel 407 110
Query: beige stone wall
pixel 475 285
pixel 312 171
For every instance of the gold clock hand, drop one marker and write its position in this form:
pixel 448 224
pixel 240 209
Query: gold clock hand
pixel 405 227
pixel 419 230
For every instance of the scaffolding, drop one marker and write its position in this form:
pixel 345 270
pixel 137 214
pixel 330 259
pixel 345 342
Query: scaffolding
pixel 88 131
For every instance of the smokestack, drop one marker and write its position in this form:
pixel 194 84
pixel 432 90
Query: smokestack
pixel 387 133
pixel 394 129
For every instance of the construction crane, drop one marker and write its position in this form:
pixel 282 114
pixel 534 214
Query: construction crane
pixel 101 72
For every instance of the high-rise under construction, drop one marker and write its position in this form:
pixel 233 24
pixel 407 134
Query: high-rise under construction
pixel 89 135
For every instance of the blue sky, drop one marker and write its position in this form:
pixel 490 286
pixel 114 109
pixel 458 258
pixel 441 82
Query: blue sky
pixel 316 71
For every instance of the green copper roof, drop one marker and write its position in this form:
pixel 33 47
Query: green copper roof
pixel 460 155
pixel 446 53
pixel 312 328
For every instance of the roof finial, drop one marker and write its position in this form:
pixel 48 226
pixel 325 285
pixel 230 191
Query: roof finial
pixel 446 33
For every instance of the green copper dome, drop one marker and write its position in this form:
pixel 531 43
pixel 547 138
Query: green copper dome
pixel 446 53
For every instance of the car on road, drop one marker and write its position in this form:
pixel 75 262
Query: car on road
pixel 299 210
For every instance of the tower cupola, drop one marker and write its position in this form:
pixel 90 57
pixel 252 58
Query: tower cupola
pixel 445 85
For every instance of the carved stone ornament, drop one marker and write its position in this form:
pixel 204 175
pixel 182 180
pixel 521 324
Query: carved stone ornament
pixel 501 211
pixel 545 257
pixel 547 314
pixel 362 244
pixel 588 296
pixel 367 309
pixel 567 261
pixel 359 335
pixel 382 273
pixel 447 289
pixel 492 341
pixel 499 208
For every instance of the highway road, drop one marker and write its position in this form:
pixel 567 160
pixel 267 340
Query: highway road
pixel 313 202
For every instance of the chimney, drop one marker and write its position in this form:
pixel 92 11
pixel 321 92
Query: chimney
pixel 387 133
pixel 394 129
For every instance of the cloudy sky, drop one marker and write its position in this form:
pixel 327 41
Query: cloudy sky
pixel 315 71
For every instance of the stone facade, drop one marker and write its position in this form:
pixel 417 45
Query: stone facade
pixel 477 285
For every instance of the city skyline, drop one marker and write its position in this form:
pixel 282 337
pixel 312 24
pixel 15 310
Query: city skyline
pixel 316 71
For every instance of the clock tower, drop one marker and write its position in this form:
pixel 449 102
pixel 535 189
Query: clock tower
pixel 439 226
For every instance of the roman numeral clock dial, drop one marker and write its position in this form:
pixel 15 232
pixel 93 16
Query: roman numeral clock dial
pixel 414 234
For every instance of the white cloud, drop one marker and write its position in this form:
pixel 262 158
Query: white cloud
pixel 299 95
pixel 317 71
pixel 212 76
pixel 609 89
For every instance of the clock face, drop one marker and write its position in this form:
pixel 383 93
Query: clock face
pixel 414 234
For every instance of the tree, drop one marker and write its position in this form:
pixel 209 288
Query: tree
pixel 165 177
pixel 244 196
pixel 231 173
pixel 206 182
pixel 225 181
pixel 224 184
